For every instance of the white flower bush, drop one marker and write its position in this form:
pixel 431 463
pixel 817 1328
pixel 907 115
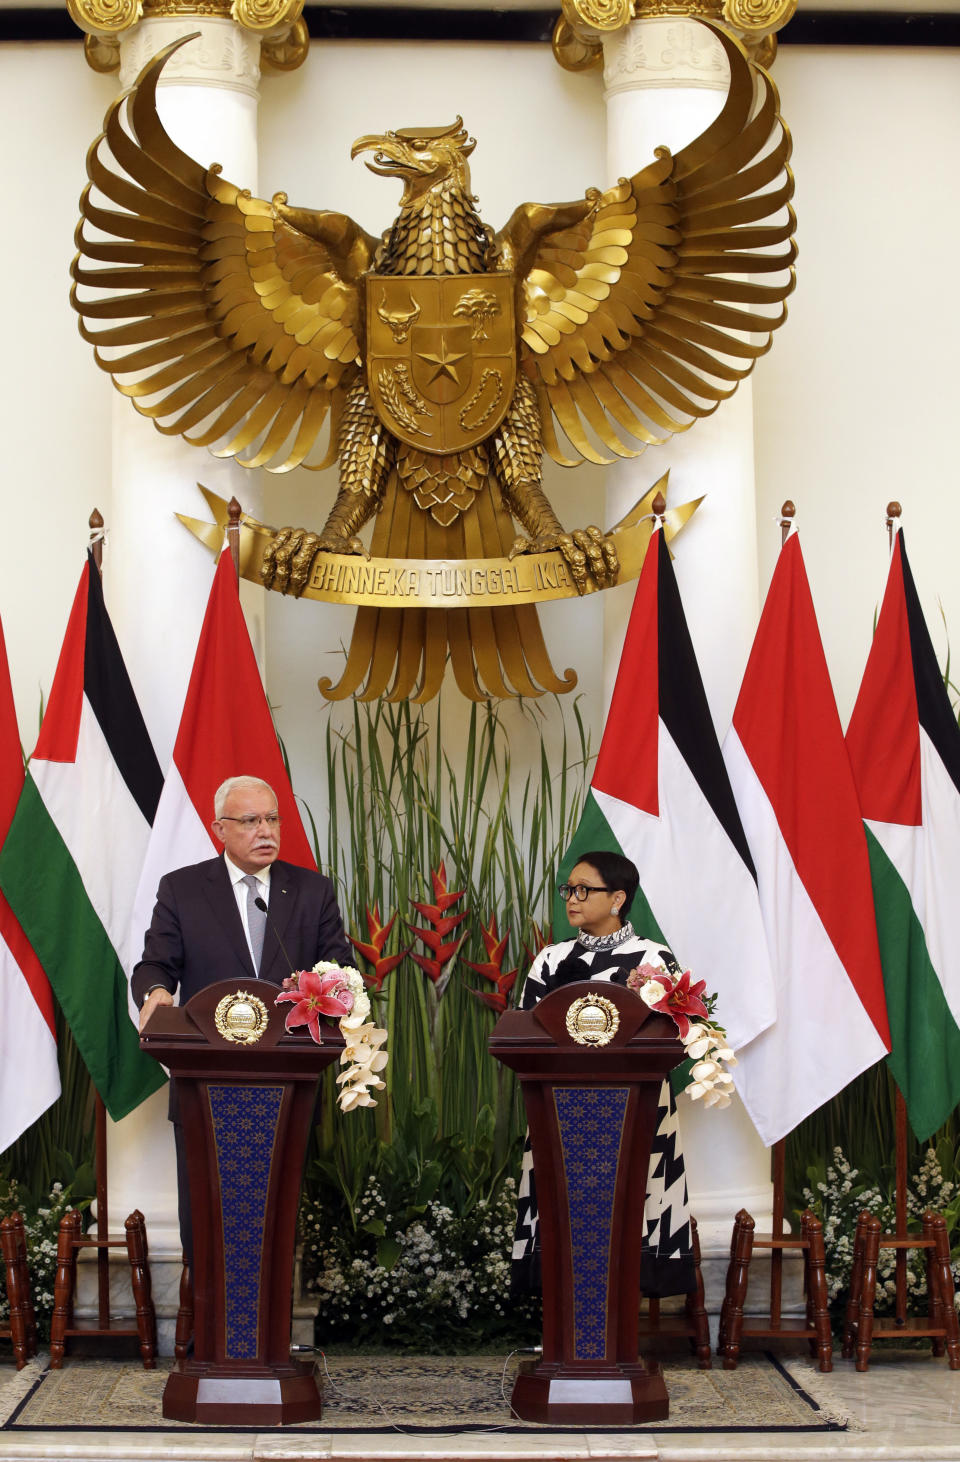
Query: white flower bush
pixel 419 1280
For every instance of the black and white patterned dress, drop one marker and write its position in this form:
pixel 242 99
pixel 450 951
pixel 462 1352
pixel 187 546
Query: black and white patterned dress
pixel 666 1261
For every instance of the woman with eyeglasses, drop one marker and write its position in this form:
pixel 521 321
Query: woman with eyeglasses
pixel 598 895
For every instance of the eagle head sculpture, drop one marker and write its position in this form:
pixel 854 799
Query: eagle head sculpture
pixel 424 157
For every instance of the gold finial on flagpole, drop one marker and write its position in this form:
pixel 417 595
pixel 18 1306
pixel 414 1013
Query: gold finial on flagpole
pixel 95 522
pixel 659 509
pixel 893 512
pixel 787 515
pixel 234 514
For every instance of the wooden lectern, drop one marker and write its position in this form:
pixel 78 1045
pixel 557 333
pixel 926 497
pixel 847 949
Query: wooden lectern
pixel 246 1103
pixel 590 1057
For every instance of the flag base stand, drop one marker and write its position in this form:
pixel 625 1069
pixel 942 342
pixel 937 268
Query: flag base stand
pixel 940 1324
pixel 70 1240
pixel 21 1329
pixel 814 1328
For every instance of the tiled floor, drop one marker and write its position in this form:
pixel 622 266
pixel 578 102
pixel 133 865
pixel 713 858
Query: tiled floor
pixel 907 1406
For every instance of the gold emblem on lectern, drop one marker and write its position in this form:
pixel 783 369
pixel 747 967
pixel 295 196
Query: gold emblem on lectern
pixel 593 1020
pixel 241 1018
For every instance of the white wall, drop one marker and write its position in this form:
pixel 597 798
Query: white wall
pixel 54 403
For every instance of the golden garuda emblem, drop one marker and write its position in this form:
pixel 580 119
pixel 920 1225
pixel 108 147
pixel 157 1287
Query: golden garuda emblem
pixel 437 363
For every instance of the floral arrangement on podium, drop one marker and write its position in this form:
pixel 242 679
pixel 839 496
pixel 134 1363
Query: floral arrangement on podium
pixel 704 1039
pixel 330 991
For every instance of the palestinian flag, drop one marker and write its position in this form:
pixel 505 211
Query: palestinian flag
pixel 795 791
pixel 661 796
pixel 29 1075
pixel 70 864
pixel 904 745
pixel 226 730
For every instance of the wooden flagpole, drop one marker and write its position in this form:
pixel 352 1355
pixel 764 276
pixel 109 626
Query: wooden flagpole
pixel 900 1121
pixel 100 1117
pixel 787 515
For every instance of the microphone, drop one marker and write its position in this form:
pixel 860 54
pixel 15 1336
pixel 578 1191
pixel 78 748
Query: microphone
pixel 262 906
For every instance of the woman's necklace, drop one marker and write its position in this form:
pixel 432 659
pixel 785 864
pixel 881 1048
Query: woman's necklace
pixel 606 941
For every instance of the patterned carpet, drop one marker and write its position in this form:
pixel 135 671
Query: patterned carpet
pixel 384 1393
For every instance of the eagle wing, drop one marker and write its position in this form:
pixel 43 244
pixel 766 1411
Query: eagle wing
pixel 238 331
pixel 638 313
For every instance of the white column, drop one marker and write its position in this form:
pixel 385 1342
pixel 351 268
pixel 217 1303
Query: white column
pixel 664 82
pixel 157 576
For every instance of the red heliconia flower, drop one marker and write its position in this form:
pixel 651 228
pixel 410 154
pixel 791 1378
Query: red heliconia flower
pixel 444 899
pixel 493 969
pixel 682 1001
pixel 442 950
pixel 373 952
pixel 316 995
pixel 540 941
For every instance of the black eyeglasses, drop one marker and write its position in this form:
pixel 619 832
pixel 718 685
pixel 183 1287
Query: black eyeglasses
pixel 254 819
pixel 580 891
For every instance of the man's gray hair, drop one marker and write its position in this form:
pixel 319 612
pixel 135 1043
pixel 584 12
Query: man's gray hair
pixel 237 784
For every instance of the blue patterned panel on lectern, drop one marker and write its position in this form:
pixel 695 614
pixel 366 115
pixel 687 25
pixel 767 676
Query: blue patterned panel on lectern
pixel 244 1135
pixel 590 1121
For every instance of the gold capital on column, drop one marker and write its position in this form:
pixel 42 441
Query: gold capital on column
pixel 756 22
pixel 579 33
pixel 283 33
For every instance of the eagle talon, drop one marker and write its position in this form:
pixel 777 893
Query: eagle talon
pixel 331 542
pixel 589 554
pixel 287 560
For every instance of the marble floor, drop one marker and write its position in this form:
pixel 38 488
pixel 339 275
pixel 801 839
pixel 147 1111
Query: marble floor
pixel 907 1406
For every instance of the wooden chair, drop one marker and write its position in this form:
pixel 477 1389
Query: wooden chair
pixel 691 1323
pixel 814 1327
pixel 940 1322
pixel 21 1328
pixel 69 1241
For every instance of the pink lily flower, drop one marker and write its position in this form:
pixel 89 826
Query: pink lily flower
pixel 682 1001
pixel 316 996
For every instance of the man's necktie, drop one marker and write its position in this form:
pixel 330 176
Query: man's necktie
pixel 256 918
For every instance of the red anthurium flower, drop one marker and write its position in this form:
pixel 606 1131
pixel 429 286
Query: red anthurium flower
pixel 315 996
pixel 682 1001
pixel 373 952
pixel 442 950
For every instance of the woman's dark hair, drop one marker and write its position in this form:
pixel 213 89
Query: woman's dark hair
pixel 617 872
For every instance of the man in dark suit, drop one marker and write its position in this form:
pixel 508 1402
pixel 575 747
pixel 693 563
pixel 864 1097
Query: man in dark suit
pixel 210 923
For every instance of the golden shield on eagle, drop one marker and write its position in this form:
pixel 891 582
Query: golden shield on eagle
pixel 441 356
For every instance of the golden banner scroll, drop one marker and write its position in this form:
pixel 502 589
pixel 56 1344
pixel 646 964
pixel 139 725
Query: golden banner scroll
pixel 429 583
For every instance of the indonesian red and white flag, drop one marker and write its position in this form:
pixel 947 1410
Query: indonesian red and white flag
pixel 794 787
pixel 29 1075
pixel 226 730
